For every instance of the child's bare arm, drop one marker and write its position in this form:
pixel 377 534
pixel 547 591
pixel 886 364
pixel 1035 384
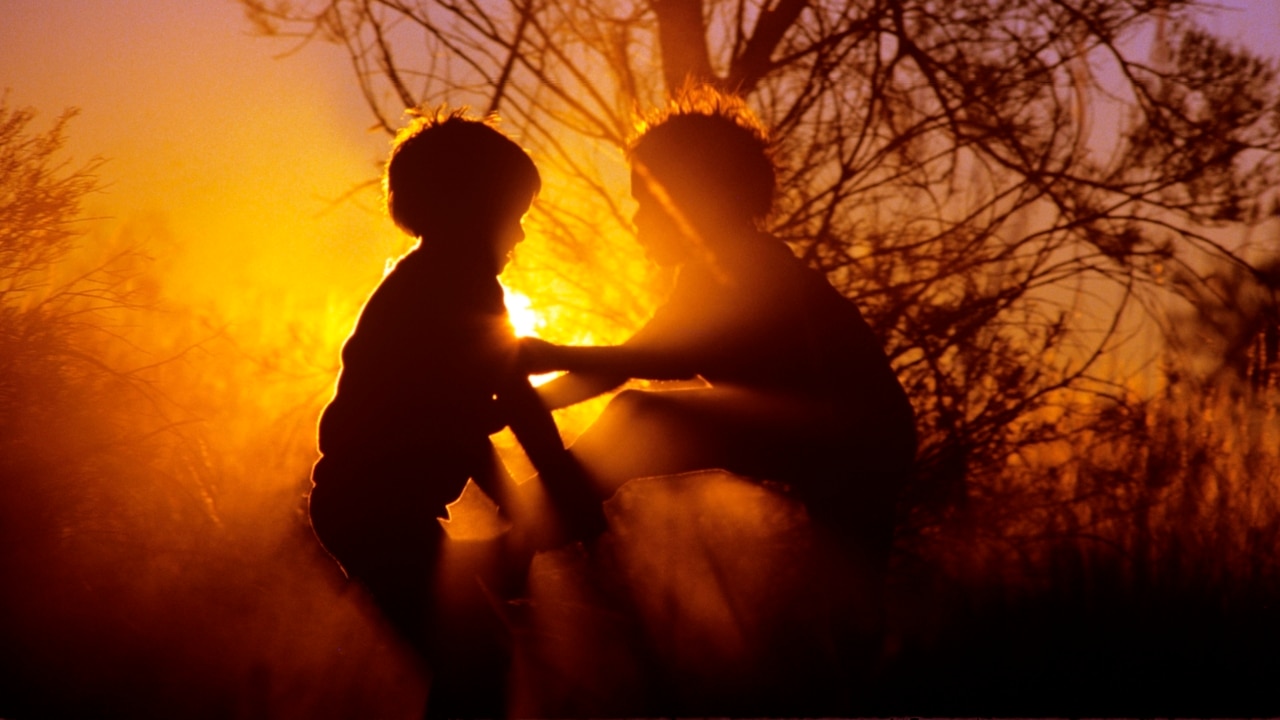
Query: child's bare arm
pixel 615 363
pixel 531 422
pixel 573 388
pixel 573 501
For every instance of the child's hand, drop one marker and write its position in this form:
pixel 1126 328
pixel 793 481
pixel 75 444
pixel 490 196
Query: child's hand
pixel 537 356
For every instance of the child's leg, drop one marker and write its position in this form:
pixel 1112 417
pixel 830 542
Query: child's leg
pixel 387 544
pixel 832 469
pixel 388 539
pixel 646 433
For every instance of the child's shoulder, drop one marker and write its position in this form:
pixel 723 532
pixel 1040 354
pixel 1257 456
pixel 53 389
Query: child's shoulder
pixel 453 280
pixel 441 266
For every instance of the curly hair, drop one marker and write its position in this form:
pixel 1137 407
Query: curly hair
pixel 445 163
pixel 706 139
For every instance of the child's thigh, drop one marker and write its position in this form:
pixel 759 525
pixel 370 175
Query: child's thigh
pixel 369 525
pixel 644 433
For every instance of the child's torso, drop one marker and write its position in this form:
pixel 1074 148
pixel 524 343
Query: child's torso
pixel 424 361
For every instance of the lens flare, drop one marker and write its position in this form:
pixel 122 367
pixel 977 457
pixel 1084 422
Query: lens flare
pixel 524 318
pixel 526 321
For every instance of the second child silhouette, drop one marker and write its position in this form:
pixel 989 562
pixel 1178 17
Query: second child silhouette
pixel 427 375
pixel 797 387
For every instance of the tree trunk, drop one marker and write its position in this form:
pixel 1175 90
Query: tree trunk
pixel 682 37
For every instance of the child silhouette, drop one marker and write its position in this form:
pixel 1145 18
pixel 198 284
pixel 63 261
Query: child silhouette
pixel 428 373
pixel 799 389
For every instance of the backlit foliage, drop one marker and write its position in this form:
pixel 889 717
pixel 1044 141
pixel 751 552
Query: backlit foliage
pixel 152 473
pixel 1005 186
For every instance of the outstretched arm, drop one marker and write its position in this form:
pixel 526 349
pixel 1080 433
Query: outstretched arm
pixel 597 369
pixel 664 349
pixel 573 388
pixel 567 485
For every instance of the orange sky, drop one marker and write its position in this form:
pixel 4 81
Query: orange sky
pixel 207 134
pixel 235 150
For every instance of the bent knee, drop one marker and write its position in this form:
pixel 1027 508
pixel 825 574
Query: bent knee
pixel 620 417
pixel 631 401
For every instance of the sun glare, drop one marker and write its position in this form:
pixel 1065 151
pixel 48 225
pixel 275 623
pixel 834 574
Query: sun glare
pixel 524 318
pixel 526 321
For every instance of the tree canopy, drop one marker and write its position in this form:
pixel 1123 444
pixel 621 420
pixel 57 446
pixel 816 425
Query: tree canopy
pixel 1000 184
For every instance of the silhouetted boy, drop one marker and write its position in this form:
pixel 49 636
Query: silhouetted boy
pixel 426 376
pixel 799 387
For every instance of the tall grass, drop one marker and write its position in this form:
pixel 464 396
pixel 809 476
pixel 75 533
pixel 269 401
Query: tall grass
pixel 158 561
pixel 156 556
pixel 1130 568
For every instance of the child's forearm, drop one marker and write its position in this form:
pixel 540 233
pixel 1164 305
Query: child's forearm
pixel 533 426
pixel 574 388
pixel 575 506
pixel 624 361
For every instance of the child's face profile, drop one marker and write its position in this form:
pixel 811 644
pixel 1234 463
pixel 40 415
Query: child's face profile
pixel 508 233
pixel 657 230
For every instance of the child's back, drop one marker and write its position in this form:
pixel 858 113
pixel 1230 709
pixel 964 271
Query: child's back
pixel 419 374
pixel 431 358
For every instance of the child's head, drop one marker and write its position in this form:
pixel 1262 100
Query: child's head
pixel 710 156
pixel 449 173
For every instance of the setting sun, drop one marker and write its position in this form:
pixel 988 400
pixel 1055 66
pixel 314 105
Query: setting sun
pixel 524 318
pixel 526 321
